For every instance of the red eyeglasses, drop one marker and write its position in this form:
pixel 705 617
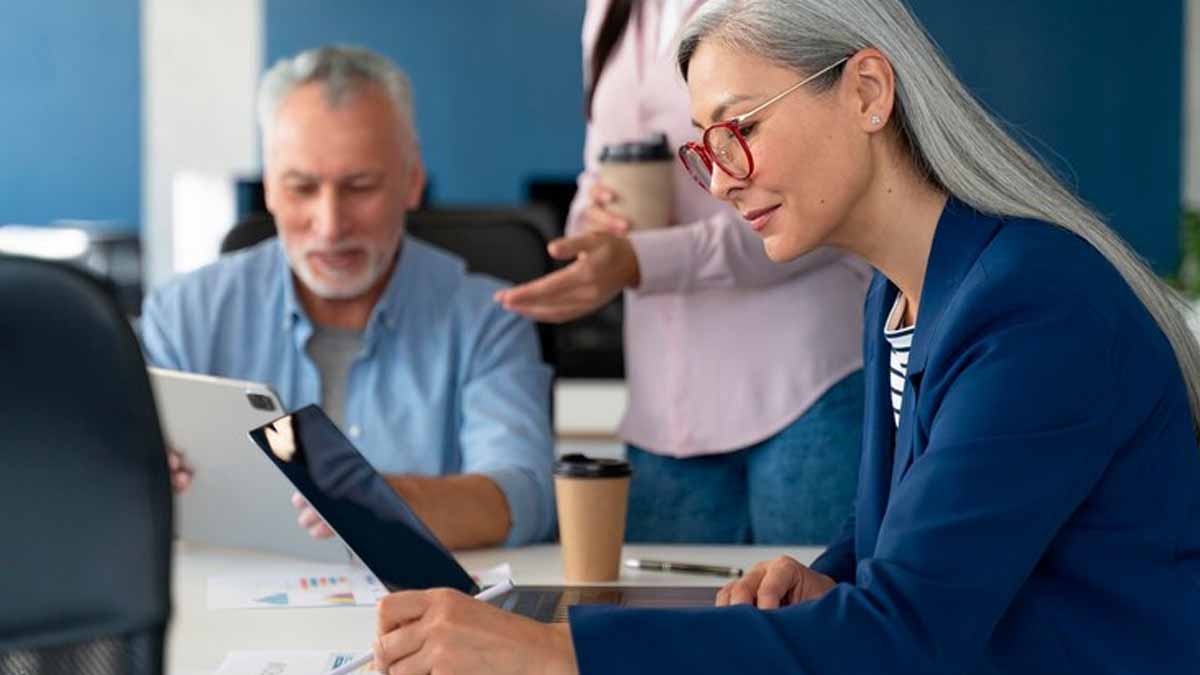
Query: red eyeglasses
pixel 724 145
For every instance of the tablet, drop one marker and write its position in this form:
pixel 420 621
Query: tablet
pixel 390 538
pixel 357 503
pixel 237 499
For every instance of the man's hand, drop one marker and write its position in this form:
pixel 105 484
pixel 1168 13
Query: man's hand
pixel 309 519
pixel 181 472
pixel 774 584
pixel 444 631
pixel 604 265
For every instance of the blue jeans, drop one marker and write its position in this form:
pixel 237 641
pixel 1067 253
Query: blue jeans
pixel 794 488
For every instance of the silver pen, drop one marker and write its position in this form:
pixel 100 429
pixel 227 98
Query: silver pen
pixel 691 568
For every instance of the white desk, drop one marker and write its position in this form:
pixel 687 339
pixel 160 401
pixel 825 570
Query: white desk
pixel 200 638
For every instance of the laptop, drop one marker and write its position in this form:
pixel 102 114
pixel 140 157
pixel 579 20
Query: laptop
pixel 389 538
pixel 237 499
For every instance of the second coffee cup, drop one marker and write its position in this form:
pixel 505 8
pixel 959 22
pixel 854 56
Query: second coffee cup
pixel 642 174
pixel 592 495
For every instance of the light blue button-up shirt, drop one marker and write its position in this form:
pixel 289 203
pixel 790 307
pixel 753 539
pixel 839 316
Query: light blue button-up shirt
pixel 447 381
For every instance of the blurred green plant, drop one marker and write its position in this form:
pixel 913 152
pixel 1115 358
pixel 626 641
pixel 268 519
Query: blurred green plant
pixel 1187 280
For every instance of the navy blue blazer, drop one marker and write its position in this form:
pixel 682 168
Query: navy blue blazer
pixel 1037 511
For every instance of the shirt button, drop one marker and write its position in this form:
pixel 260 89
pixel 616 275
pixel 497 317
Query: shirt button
pixel 354 431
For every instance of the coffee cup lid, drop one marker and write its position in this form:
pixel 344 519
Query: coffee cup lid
pixel 651 150
pixel 576 465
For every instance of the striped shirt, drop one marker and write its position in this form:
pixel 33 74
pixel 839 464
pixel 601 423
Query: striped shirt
pixel 900 338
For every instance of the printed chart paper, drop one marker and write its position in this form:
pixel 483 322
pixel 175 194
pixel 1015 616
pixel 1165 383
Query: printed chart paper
pixel 336 589
pixel 286 663
pixel 330 588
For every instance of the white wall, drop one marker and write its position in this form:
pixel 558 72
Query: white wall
pixel 200 65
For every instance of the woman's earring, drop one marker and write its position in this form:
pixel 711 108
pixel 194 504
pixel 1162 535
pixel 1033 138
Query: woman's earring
pixel 875 120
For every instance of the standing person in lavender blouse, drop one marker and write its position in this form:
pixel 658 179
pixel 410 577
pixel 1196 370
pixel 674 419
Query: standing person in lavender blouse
pixel 728 442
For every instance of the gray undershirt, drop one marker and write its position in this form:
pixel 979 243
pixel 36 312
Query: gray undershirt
pixel 333 350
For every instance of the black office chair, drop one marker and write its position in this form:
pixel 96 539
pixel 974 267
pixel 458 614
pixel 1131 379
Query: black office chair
pixel 84 488
pixel 506 243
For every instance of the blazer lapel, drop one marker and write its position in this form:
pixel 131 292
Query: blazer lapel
pixel 961 235
pixel 878 427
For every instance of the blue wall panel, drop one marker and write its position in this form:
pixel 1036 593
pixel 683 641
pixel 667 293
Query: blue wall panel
pixel 497 85
pixel 70 113
pixel 1095 87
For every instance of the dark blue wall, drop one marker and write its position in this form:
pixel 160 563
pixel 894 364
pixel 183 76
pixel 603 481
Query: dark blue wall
pixel 1097 83
pixel 1094 86
pixel 70 113
pixel 497 84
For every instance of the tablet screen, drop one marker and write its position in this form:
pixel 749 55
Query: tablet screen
pixel 357 503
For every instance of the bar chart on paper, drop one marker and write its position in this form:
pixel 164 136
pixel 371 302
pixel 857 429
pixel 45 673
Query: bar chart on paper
pixel 314 590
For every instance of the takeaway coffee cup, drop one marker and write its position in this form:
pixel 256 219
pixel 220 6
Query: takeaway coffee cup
pixel 592 496
pixel 642 174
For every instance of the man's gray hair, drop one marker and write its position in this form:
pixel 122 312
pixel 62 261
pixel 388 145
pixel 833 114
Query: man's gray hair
pixel 343 71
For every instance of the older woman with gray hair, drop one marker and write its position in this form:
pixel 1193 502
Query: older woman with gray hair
pixel 1027 501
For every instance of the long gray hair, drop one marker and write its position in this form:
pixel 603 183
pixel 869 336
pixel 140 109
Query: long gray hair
pixel 948 134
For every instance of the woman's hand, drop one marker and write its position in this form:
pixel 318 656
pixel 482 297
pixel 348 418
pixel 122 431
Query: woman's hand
pixel 444 631
pixel 604 265
pixel 597 218
pixel 777 583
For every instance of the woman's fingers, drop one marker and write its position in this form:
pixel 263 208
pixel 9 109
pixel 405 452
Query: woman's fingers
pixel 723 594
pixel 782 575
pixel 600 194
pixel 398 609
pixel 567 248
pixel 549 289
pixel 555 313
pixel 769 585
pixel 744 590
pixel 600 219
pixel 398 644
pixel 603 266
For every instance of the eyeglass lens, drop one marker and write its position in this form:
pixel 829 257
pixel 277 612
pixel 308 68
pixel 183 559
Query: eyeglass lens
pixel 697 167
pixel 728 152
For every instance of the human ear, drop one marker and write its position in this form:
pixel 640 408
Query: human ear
pixel 416 184
pixel 872 88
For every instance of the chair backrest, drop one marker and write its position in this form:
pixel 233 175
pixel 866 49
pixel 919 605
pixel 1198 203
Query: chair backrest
pixel 84 488
pixel 506 243
pixel 509 244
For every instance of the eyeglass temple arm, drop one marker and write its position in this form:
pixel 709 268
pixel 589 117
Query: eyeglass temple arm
pixel 747 115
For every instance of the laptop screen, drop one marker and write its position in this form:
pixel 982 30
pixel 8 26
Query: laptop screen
pixel 358 504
